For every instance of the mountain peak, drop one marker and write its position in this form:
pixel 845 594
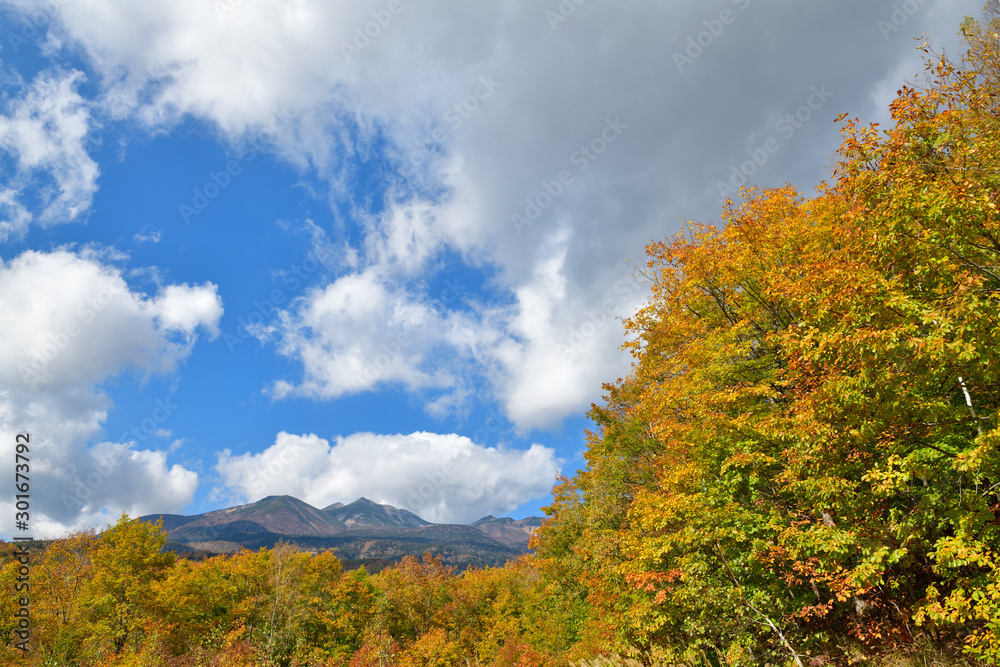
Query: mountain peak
pixel 491 520
pixel 366 513
pixel 279 515
pixel 507 530
pixel 362 529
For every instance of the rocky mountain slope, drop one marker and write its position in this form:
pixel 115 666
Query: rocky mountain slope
pixel 365 513
pixel 512 532
pixel 362 532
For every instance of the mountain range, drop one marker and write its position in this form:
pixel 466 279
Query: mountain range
pixel 362 533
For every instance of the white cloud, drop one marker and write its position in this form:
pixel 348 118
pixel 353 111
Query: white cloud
pixel 360 332
pixel 78 322
pixel 380 325
pixel 44 132
pixel 79 325
pixel 184 308
pixel 536 144
pixel 405 239
pixel 558 347
pixel 146 236
pixel 542 356
pixel 443 478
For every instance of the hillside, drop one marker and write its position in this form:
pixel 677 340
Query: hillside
pixel 512 532
pixel 360 532
pixel 364 512
pixel 282 516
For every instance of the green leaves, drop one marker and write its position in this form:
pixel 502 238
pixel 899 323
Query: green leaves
pixel 816 386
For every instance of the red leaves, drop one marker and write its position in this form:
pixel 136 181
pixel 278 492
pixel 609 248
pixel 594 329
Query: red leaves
pixel 802 363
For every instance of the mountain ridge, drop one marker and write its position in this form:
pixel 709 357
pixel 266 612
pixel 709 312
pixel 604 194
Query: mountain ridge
pixel 362 531
pixel 365 512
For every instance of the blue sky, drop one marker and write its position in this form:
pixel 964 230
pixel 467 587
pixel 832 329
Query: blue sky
pixel 377 248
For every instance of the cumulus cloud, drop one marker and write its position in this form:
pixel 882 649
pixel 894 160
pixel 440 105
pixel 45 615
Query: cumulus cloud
pixel 365 331
pixel 185 308
pixel 444 478
pixel 541 355
pixel 539 146
pixel 557 347
pixel 377 326
pixel 44 134
pixel 79 325
pixel 353 335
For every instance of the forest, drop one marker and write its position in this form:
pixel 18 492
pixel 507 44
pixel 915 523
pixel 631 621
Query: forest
pixel 801 468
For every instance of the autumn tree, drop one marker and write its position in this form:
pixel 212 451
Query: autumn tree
pixel 127 560
pixel 416 590
pixel 803 459
pixel 60 581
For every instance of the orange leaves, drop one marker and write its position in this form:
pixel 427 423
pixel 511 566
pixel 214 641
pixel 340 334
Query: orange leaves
pixel 806 454
pixel 708 342
pixel 819 379
pixel 651 582
pixel 116 600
